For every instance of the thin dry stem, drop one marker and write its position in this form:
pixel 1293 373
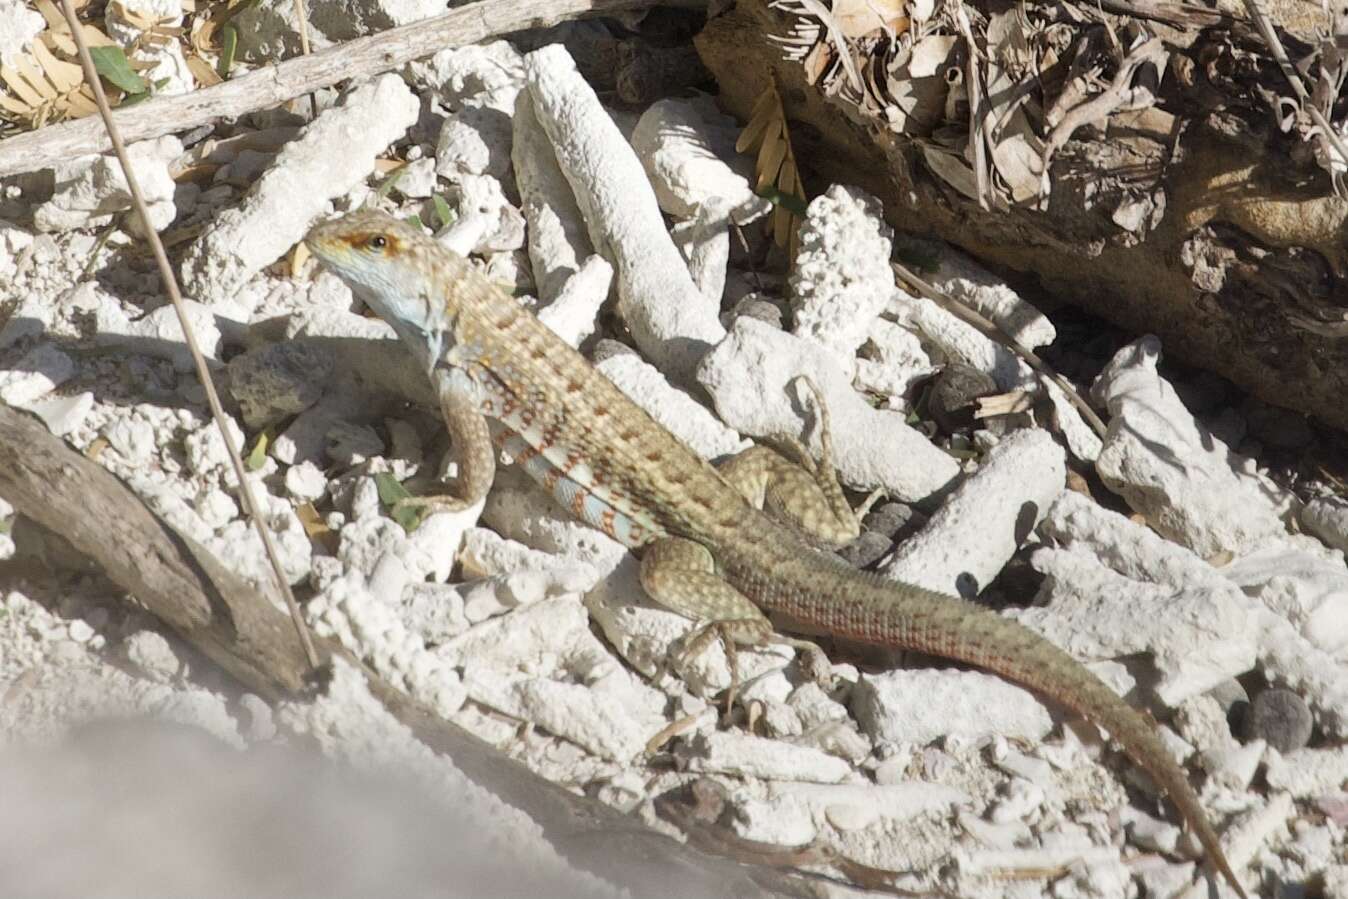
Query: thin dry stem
pixel 990 330
pixel 203 374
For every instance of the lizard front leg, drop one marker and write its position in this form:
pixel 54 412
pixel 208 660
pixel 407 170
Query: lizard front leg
pixel 474 454
pixel 801 493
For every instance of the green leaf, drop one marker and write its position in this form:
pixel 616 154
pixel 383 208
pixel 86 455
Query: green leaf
pixel 390 494
pixel 392 179
pixel 229 43
pixel 414 220
pixel 390 490
pixel 790 202
pixel 442 211
pixel 112 64
pixel 257 457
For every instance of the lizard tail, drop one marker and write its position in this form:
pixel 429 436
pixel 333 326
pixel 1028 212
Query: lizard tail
pixel 874 610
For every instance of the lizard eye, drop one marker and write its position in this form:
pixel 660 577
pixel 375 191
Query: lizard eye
pixel 378 242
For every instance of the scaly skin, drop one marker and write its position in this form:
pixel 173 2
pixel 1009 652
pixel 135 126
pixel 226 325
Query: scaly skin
pixel 450 316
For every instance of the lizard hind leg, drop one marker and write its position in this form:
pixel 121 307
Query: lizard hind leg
pixel 681 575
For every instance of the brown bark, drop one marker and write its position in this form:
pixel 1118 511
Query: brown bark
pixel 1242 242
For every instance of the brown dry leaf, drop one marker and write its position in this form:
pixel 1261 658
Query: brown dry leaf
pixel 770 157
pixel 43 88
pixel 58 26
pixel 203 71
pixel 316 527
pixel 64 76
pixel 816 62
pixel 762 114
pixel 203 36
pixel 776 175
pixel 858 18
pixel 1009 41
pixel 952 170
pixel 55 20
pixel 22 91
pixel 1018 158
pixel 298 257
pixel 49 85
pixel 917 87
pixel 133 17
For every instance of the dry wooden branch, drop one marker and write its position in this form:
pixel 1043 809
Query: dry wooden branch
pixel 178 582
pixel 220 614
pixel 274 85
pixel 1119 95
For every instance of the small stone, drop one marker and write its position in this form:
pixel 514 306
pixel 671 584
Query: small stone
pixel 351 444
pixel 895 520
pixel 754 306
pixel 607 349
pixel 132 438
pixel 38 373
pixel 1327 518
pixel 365 499
pixel 278 381
pixel 416 180
pixel 953 394
pixel 869 548
pixel 151 653
pixel 1230 695
pixel 258 726
pixel 406 442
pixel 217 508
pixel 305 482
pixel 63 414
pixel 1281 718
pixel 80 631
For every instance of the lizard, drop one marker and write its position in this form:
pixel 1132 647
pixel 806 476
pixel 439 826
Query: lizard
pixel 709 547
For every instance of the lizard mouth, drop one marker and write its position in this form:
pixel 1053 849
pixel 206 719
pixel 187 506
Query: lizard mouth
pixel 322 242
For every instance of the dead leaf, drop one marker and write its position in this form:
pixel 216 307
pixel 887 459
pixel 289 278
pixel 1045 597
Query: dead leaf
pixel 1018 158
pixel 315 527
pixel 858 18
pixel 918 86
pixel 952 170
pixel 776 176
pixel 1009 41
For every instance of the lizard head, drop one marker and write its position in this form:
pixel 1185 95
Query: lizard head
pixel 392 266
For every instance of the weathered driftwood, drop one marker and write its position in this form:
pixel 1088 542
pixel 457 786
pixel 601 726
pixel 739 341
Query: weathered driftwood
pixel 239 629
pixel 273 85
pixel 1190 215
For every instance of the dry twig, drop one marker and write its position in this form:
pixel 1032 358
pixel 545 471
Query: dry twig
pixel 199 361
pixel 992 332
